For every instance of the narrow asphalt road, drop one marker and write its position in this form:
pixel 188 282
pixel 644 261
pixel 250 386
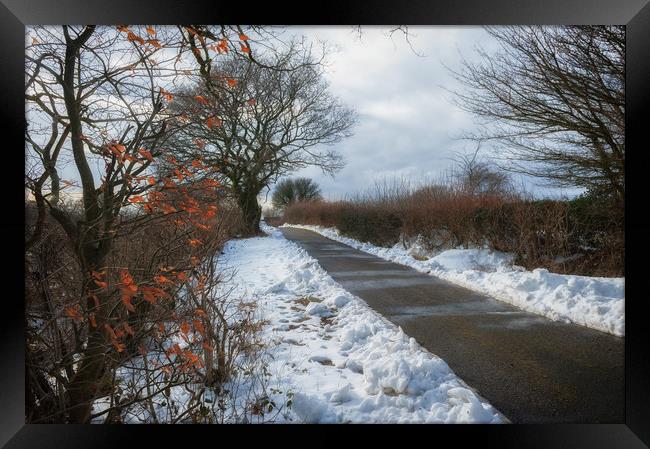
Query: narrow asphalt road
pixel 532 369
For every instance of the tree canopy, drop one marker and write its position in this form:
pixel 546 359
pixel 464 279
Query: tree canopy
pixel 552 100
pixel 258 123
pixel 289 191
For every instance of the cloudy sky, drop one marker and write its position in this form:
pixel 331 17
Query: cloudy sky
pixel 408 126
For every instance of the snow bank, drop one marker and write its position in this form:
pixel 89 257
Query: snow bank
pixel 342 361
pixel 595 302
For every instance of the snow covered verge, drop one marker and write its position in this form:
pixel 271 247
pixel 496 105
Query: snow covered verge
pixel 342 361
pixel 594 302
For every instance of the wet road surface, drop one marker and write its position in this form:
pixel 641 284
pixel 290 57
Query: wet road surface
pixel 532 369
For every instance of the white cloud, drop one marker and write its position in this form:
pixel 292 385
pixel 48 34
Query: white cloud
pixel 407 124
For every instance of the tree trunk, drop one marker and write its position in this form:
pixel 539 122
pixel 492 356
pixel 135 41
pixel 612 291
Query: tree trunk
pixel 84 385
pixel 251 212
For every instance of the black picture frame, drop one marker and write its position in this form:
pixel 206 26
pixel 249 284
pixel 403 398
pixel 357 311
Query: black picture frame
pixel 635 14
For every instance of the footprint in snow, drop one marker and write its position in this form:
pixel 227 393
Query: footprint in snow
pixel 322 360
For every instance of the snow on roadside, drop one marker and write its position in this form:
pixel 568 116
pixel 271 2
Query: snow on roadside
pixel 594 302
pixel 342 361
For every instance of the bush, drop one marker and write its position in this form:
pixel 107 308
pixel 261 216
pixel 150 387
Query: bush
pixel 226 340
pixel 370 224
pixel 582 236
pixel 596 229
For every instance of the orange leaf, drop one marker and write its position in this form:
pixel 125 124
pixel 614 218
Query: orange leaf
pixel 211 182
pixel 126 277
pixel 231 82
pixel 95 299
pixel 207 347
pixel 128 288
pixel 199 326
pixel 119 347
pixel 146 154
pixel 136 199
pixel 201 99
pixel 202 226
pixel 194 242
pixel 243 37
pixel 117 149
pixel 110 331
pixel 131 36
pixel 150 294
pixel 222 47
pixel 101 283
pixel 213 121
pixel 151 31
pixel 191 357
pixel 169 96
pixel 129 329
pixel 152 181
pixel 169 183
pixel 245 48
pixel 162 279
pixel 185 328
pixel 154 42
pixel 126 300
pixel 252 102
pixel 186 172
pixel 73 312
pixel 168 208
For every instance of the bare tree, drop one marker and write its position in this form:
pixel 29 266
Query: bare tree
pixel 97 94
pixel 476 176
pixel 258 122
pixel 97 115
pixel 289 191
pixel 553 99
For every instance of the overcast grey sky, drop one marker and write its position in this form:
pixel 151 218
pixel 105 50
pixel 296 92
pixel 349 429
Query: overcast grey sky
pixel 407 124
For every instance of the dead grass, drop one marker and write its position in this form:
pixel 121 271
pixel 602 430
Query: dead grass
pixel 582 236
pixel 305 300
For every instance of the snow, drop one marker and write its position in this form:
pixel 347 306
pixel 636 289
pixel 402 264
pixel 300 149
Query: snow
pixel 594 302
pixel 341 360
